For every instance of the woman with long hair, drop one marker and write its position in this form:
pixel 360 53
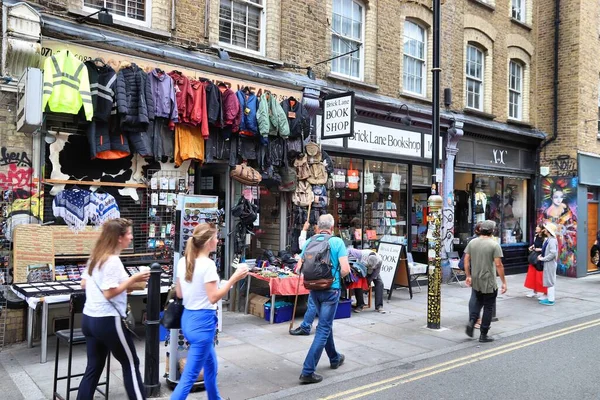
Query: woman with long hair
pixel 535 273
pixel 198 286
pixel 106 284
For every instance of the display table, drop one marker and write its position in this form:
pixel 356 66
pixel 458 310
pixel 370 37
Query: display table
pixel 277 287
pixel 62 296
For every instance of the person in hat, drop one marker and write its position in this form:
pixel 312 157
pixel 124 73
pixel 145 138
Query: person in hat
pixel 483 254
pixel 548 257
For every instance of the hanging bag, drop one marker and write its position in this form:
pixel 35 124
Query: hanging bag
pixel 173 311
pixel 339 178
pixel 302 169
pixel 396 180
pixel 353 177
pixel 369 181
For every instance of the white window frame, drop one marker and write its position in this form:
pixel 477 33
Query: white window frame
pixel 147 22
pixel 519 10
pixel 263 28
pixel 423 61
pixel 476 79
pixel 343 39
pixel 515 91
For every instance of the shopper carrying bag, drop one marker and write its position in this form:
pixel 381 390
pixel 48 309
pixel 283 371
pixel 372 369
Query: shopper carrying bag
pixel 198 286
pixel 105 307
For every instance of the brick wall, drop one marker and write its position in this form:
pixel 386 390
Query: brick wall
pixel 16 326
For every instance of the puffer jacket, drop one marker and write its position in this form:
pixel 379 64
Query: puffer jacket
pixel 231 110
pixel 297 117
pixel 135 104
pixel 248 108
pixel 272 120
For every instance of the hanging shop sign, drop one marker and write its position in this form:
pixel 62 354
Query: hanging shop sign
pixel 338 116
pixel 114 59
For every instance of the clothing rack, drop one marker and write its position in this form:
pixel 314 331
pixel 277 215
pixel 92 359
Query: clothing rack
pixel 94 183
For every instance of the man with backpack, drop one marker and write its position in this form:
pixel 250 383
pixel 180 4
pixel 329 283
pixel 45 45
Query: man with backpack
pixel 323 262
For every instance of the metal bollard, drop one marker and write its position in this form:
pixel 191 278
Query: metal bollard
pixel 152 359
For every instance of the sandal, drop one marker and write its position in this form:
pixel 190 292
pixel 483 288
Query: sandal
pixel 358 309
pixel 477 326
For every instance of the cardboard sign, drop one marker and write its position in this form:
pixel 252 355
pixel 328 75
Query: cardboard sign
pixel 390 254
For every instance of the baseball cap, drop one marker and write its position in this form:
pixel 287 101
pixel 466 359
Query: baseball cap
pixel 488 226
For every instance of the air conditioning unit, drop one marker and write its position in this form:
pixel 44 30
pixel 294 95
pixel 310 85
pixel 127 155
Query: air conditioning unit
pixel 29 101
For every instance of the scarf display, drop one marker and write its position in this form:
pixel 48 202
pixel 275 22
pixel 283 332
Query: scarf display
pixel 103 207
pixel 72 205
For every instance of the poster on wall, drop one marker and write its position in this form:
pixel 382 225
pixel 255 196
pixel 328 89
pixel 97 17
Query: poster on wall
pixel 559 206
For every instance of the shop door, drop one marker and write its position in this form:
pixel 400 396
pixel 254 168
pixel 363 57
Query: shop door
pixel 592 229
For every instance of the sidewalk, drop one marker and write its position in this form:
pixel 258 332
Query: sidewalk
pixel 257 359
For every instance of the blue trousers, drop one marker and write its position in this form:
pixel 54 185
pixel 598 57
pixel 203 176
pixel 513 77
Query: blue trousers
pixel 104 334
pixel 199 327
pixel 326 302
pixel 309 316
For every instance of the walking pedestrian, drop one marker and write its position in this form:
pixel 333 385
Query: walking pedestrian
pixel 326 300
pixel 198 286
pixel 548 257
pixel 106 284
pixel 482 255
pixel 535 273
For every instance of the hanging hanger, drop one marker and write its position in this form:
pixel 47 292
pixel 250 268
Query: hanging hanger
pixel 99 62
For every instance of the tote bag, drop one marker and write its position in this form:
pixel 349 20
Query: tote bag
pixel 339 178
pixel 395 181
pixel 353 177
pixel 369 181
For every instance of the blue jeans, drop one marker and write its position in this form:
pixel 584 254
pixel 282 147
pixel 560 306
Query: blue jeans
pixel 326 302
pixel 199 327
pixel 309 316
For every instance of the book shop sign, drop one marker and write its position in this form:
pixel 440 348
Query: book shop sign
pixel 338 116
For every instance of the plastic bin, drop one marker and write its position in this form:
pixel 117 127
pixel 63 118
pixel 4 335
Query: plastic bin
pixel 283 311
pixel 344 309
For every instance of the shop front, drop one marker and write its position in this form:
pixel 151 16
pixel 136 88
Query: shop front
pixel 494 181
pixel 381 182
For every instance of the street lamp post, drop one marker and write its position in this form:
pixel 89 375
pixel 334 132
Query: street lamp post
pixel 434 245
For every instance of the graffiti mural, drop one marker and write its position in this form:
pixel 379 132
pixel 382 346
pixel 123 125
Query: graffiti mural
pixel 16 177
pixel 559 205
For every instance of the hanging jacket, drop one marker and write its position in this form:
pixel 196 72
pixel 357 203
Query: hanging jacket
pixel 297 117
pixel 198 113
pixel 104 137
pixel 231 110
pixel 248 108
pixel 162 89
pixel 271 119
pixel 183 92
pixel 135 104
pixel 214 103
pixel 66 85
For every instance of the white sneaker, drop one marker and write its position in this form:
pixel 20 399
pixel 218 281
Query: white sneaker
pixel 542 296
pixel 531 294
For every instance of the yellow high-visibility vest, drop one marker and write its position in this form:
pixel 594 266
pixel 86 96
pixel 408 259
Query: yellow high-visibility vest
pixel 67 85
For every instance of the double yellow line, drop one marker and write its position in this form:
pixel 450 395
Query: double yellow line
pixel 389 383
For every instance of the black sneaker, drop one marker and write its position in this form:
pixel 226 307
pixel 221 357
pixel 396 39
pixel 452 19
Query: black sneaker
pixel 485 339
pixel 339 363
pixel 299 332
pixel 470 327
pixel 312 378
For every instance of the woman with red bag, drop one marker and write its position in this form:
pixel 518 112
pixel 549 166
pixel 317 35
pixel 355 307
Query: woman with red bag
pixel 535 273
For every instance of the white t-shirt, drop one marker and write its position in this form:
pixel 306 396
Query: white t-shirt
pixel 194 292
pixel 110 275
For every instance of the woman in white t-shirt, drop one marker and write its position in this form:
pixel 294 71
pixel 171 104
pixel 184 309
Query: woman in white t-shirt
pixel 198 286
pixel 106 284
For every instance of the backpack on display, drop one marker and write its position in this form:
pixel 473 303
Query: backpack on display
pixel 320 192
pixel 270 177
pixel 303 196
pixel 245 210
pixel 313 151
pixel 288 178
pixel 327 161
pixel 246 175
pixel 318 174
pixel 316 263
pixel 302 168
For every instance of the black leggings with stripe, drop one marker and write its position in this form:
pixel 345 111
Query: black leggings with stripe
pixel 104 334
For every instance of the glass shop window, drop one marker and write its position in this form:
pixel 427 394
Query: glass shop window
pixel 514 216
pixel 421 179
pixel 345 199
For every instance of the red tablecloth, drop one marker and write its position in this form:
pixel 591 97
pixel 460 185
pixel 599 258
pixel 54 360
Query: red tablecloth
pixel 283 286
pixel 360 284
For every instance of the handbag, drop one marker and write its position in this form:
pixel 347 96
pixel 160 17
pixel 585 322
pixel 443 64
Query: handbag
pixel 369 181
pixel 246 175
pixel 173 311
pixel 395 180
pixel 353 177
pixel 127 320
pixel 532 258
pixel 339 178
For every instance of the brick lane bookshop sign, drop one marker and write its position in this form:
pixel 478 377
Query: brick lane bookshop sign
pixel 338 116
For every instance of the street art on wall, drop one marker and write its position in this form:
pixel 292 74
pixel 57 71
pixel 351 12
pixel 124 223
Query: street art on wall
pixel 559 199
